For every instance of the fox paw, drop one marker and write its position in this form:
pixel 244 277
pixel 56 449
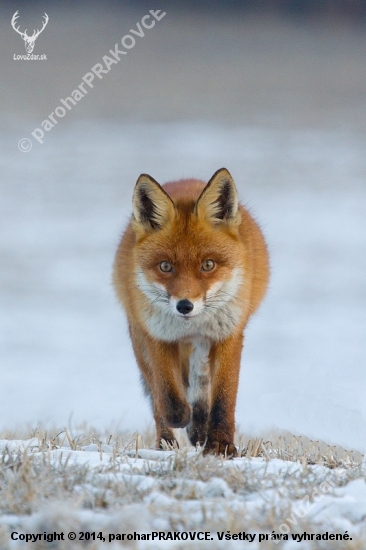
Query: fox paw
pixel 168 444
pixel 165 439
pixel 197 435
pixel 178 415
pixel 225 448
pixel 198 427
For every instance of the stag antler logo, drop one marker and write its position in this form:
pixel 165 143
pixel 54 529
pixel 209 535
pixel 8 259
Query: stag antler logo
pixel 29 40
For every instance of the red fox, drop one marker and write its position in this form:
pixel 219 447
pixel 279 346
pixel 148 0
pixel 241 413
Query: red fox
pixel 191 268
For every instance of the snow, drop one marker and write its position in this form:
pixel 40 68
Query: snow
pixel 349 502
pixel 65 352
pixel 165 496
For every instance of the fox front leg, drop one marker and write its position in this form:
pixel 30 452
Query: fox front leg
pixel 167 385
pixel 161 379
pixel 163 432
pixel 221 427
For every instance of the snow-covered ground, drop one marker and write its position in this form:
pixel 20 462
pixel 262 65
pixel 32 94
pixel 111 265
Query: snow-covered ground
pixel 119 494
pixel 64 344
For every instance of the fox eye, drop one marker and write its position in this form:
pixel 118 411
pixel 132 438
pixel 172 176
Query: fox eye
pixel 208 265
pixel 165 266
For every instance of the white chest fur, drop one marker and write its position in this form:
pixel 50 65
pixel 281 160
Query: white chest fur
pixel 199 372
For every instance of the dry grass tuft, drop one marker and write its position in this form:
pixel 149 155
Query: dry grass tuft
pixel 300 449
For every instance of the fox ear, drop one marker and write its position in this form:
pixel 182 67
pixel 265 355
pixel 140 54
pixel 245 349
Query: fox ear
pixel 152 206
pixel 218 202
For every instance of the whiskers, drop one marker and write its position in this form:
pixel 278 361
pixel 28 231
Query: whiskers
pixel 219 298
pixel 218 306
pixel 156 295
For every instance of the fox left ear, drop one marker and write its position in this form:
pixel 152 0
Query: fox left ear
pixel 152 206
pixel 218 202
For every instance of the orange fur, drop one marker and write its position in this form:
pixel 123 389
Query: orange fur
pixel 191 268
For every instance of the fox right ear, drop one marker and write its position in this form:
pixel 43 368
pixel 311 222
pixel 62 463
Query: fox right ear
pixel 152 206
pixel 218 202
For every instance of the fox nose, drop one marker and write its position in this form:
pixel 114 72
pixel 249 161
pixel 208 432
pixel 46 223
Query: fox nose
pixel 184 306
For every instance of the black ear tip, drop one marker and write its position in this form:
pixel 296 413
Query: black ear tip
pixel 221 173
pixel 141 177
pixel 223 169
pixel 146 178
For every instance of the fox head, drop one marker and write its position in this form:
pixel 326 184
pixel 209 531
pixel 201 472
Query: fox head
pixel 189 258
